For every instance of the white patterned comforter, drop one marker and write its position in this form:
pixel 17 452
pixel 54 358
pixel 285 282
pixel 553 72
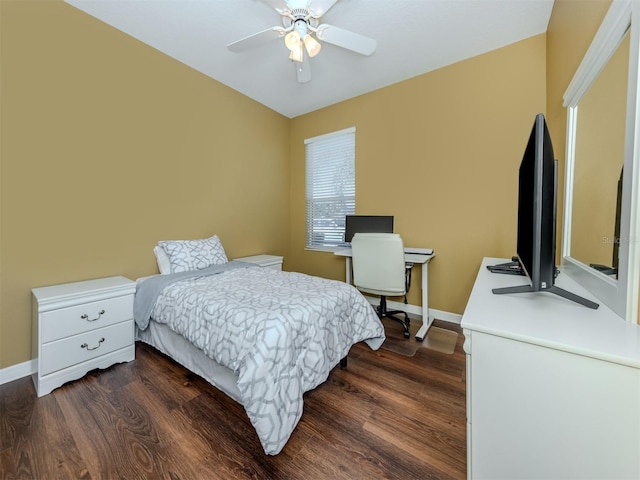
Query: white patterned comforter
pixel 281 332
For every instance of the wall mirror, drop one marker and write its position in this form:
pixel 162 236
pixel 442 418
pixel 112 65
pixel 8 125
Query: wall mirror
pixel 600 232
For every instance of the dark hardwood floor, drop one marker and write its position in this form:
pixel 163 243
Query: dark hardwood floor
pixel 385 416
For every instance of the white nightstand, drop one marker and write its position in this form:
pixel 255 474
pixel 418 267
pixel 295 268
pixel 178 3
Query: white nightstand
pixel 268 261
pixel 80 326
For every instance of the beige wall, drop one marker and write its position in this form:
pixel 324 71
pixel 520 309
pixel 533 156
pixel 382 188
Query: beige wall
pixel 441 153
pixel 571 29
pixel 109 146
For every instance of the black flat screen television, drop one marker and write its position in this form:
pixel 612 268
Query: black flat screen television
pixel 536 232
pixel 366 224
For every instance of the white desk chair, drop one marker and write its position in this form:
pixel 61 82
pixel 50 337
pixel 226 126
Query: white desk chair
pixel 379 269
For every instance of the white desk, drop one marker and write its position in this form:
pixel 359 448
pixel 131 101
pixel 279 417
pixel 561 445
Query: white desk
pixel 412 258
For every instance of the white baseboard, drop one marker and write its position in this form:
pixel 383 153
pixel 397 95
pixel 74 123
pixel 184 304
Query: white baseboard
pixel 415 311
pixel 445 316
pixel 15 372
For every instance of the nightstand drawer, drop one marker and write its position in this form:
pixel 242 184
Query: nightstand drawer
pixel 74 320
pixel 80 348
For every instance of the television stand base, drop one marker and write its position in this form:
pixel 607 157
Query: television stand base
pixel 556 290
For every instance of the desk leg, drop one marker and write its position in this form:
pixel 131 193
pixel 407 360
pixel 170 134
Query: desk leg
pixel 348 271
pixel 426 320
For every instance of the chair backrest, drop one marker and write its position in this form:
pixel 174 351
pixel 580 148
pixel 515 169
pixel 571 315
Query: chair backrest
pixel 378 263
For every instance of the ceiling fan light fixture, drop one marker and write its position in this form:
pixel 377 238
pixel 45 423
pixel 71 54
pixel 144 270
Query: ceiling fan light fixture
pixel 312 45
pixel 296 53
pixel 292 40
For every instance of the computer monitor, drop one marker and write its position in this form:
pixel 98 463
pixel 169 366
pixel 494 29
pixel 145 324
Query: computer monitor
pixel 367 224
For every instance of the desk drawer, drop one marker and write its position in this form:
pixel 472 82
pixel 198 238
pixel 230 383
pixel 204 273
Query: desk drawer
pixel 65 322
pixel 86 346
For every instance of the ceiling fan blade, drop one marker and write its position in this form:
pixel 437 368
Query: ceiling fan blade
pixel 303 70
pixel 279 5
pixel 256 39
pixel 319 7
pixel 346 39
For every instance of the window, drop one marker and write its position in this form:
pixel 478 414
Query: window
pixel 331 187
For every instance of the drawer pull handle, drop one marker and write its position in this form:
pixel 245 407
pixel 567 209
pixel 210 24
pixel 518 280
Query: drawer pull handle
pixel 86 317
pixel 86 345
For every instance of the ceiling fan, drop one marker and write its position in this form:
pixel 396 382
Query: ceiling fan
pixel 300 21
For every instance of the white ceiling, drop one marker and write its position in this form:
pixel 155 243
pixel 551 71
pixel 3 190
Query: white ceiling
pixel 413 37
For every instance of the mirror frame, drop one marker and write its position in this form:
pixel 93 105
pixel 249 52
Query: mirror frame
pixel 620 295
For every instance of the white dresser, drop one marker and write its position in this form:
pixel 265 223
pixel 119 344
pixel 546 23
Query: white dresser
pixel 268 261
pixel 553 387
pixel 80 326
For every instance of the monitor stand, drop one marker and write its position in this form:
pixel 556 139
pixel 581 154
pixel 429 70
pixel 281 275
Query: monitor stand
pixel 553 289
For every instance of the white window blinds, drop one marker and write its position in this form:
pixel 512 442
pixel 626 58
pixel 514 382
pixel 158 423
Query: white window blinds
pixel 331 186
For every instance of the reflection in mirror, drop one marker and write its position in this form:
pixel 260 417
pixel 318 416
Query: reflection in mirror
pixel 599 157
pixel 595 140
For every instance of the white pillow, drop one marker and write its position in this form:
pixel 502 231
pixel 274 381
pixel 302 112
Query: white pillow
pixel 164 264
pixel 186 255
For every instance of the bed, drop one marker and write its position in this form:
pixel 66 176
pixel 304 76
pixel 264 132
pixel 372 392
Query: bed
pixel 262 336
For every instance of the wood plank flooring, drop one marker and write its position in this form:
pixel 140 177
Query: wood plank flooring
pixel 385 416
